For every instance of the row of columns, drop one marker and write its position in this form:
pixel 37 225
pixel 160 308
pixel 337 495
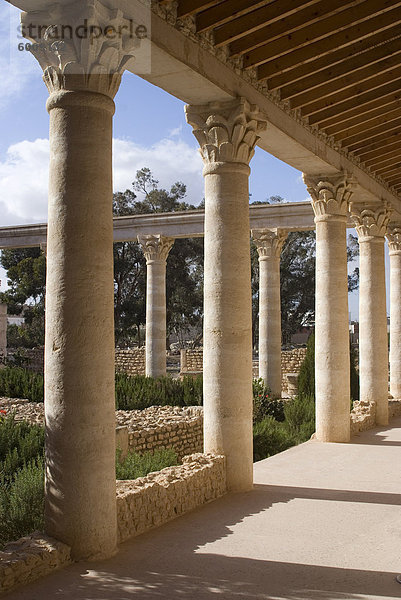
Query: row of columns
pixel 80 489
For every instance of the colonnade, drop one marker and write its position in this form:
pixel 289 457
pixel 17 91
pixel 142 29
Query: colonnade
pixel 79 356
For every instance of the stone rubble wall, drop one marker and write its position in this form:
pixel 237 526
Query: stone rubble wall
pixel 363 414
pixel 131 362
pixel 150 429
pixel 30 558
pixel 291 361
pixel 150 501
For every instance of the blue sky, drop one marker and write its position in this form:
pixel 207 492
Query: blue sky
pixel 149 130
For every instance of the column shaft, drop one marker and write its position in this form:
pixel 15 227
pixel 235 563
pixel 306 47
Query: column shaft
pixel 332 362
pixel 227 368
pixel 156 318
pixel 80 501
pixel 395 324
pixel 373 344
pixel 270 324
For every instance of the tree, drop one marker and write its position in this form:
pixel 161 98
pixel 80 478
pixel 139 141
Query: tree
pixel 184 275
pixel 26 273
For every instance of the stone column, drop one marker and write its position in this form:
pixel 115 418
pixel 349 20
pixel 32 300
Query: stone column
pixel 269 243
pixel 371 225
pixel 394 244
pixel 227 133
pixel 3 331
pixel 82 76
pixel 156 249
pixel 330 196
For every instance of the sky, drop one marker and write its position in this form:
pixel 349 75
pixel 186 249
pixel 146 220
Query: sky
pixel 149 131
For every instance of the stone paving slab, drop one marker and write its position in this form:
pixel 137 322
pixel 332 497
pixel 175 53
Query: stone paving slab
pixel 323 522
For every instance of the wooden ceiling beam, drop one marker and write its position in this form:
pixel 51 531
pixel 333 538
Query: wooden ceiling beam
pixel 298 72
pixel 372 85
pixel 391 181
pixel 310 14
pixel 321 47
pixel 345 25
pixel 359 121
pixel 190 7
pixel 274 11
pixel 389 170
pixel 380 153
pixel 364 131
pixel 356 68
pixel 365 100
pixel 225 12
pixel 370 77
pixel 385 164
pixel 386 135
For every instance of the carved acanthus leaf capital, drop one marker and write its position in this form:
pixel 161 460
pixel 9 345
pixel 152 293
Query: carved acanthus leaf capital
pixel 370 221
pixel 330 195
pixel 83 46
pixel 394 238
pixel 226 131
pixel 155 247
pixel 269 242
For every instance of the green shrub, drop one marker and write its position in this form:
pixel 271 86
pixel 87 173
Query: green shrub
pixel 139 392
pixel 300 417
pixel 135 465
pixel 20 442
pixel 16 382
pixel 270 437
pixel 263 403
pixel 22 502
pixel 306 380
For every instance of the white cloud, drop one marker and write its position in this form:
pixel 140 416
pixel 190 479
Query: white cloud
pixel 24 174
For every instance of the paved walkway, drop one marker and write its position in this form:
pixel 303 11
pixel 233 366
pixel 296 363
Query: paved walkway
pixel 323 522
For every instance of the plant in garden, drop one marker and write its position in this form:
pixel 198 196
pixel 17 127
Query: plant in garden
pixel 136 465
pixel 264 404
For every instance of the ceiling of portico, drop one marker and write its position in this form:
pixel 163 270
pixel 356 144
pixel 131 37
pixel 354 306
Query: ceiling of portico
pixel 336 62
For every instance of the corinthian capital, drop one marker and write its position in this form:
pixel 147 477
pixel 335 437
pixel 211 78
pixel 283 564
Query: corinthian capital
pixel 83 46
pixel 155 247
pixel 269 242
pixel 370 220
pixel 226 131
pixel 394 238
pixel 330 195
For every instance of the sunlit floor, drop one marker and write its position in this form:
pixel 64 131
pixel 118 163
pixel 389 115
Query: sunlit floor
pixel 323 522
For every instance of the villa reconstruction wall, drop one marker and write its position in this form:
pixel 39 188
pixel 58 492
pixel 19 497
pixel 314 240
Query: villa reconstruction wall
pixel 151 501
pixel 291 361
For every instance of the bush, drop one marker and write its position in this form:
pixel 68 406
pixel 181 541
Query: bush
pixel 19 444
pixel 306 381
pixel 270 437
pixel 263 403
pixel 22 502
pixel 135 465
pixel 300 417
pixel 139 392
pixel 16 382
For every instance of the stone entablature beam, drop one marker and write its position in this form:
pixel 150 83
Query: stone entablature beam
pixel 371 225
pixel 330 197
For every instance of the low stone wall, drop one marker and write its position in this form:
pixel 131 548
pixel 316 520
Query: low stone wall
pixel 291 361
pixel 131 362
pixel 151 501
pixel 147 430
pixel 30 558
pixel 363 414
